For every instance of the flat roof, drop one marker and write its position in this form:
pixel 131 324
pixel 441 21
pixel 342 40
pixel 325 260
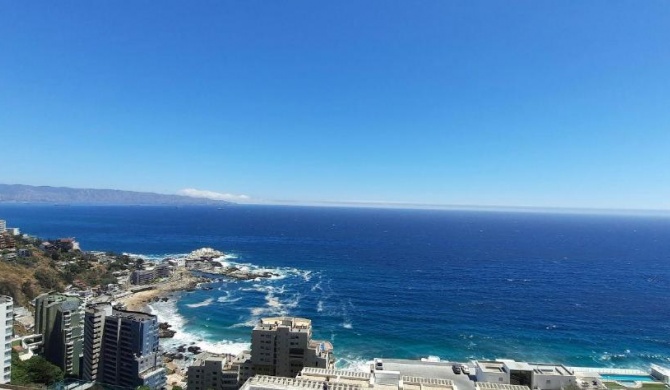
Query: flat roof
pixel 427 381
pixel 132 315
pixel 490 366
pixel 514 365
pixel 292 321
pixel 260 382
pixel 330 372
pixel 500 386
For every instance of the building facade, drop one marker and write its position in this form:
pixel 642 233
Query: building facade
pixel 6 333
pixel 94 322
pixel 59 319
pixel 121 348
pixel 283 346
pixel 533 375
pixel 213 372
pixel 3 225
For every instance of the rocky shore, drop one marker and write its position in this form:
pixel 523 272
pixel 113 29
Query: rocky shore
pixel 181 280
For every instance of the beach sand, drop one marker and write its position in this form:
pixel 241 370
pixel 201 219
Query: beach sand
pixel 181 279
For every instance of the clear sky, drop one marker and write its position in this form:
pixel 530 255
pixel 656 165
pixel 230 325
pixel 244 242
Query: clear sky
pixel 523 103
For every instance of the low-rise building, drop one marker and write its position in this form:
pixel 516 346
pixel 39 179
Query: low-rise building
pixel 146 276
pixel 534 375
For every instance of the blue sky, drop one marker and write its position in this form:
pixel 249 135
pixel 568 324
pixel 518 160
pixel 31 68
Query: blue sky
pixel 510 103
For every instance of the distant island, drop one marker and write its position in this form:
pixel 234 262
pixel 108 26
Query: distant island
pixel 19 193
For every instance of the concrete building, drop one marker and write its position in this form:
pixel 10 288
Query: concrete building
pixel 214 372
pixel 330 379
pixel 533 375
pixel 146 276
pixel 6 333
pixel 283 346
pixel 59 319
pixel 661 373
pixel 121 348
pixel 94 322
pixel 3 225
pixel 7 241
pixel 498 386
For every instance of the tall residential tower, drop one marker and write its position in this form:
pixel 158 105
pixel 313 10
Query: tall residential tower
pixel 6 332
pixel 59 318
pixel 282 346
pixel 121 348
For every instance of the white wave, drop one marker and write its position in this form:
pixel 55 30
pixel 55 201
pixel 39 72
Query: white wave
pixel 155 257
pixel 319 306
pixel 350 363
pixel 307 275
pixel 347 325
pixel 317 286
pixel 167 312
pixel 228 298
pixel 206 302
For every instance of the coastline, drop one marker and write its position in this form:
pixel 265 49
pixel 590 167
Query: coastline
pixel 181 280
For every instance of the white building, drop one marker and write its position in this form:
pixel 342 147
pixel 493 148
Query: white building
pixel 329 379
pixel 6 333
pixel 661 373
pixel 534 375
pixel 3 225
pixel 282 346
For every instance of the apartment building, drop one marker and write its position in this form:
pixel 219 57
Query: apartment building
pixel 6 333
pixel 94 322
pixel 59 319
pixel 214 372
pixel 121 348
pixel 283 346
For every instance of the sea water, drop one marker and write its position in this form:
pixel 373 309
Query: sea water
pixel 582 290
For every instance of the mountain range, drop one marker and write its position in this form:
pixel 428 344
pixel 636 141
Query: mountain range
pixel 19 193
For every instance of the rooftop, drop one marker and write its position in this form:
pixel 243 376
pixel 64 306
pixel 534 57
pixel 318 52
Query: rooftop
pixel 500 386
pixel 295 323
pixel 490 366
pixel 260 382
pixel 133 315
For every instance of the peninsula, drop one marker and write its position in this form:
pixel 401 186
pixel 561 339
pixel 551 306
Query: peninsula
pixel 19 193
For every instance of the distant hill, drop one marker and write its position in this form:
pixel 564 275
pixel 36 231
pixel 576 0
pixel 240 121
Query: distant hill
pixel 19 193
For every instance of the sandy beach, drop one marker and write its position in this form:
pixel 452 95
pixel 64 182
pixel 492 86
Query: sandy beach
pixel 181 280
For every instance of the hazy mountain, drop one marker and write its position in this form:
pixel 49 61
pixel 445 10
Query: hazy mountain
pixel 44 194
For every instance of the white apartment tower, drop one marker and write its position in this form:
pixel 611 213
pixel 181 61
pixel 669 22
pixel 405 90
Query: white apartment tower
pixel 3 225
pixel 6 333
pixel 282 346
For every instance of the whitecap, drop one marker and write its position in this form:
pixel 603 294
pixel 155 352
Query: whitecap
pixel 319 306
pixel 206 302
pixel 347 325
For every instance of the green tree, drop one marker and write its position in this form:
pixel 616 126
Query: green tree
pixel 41 371
pixel 34 370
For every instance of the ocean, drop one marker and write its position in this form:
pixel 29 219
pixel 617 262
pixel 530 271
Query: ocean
pixel 582 290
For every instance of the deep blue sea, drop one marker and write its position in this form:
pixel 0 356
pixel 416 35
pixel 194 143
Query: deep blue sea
pixel 583 290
